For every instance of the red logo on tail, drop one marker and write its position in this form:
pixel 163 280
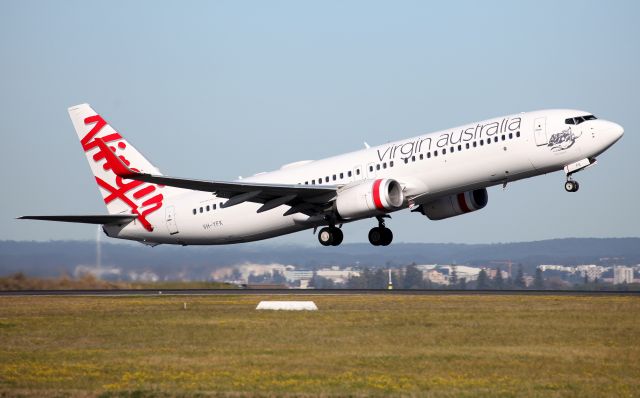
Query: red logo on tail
pixel 124 191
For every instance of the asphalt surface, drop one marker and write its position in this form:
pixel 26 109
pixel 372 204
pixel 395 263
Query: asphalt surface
pixel 309 292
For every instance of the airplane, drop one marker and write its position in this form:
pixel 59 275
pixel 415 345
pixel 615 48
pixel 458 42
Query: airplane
pixel 438 175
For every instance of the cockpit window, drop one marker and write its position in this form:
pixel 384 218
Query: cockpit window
pixel 579 119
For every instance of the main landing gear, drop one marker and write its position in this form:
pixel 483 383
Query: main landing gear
pixel 380 235
pixel 571 186
pixel 330 236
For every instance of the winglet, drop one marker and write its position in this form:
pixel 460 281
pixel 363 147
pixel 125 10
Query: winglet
pixel 116 164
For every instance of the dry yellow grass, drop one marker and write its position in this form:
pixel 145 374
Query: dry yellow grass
pixel 370 345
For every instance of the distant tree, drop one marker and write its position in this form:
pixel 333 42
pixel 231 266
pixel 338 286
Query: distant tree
pixel 453 278
pixel 483 280
pixel 398 279
pixel 278 277
pixel 320 282
pixel 509 283
pixel 413 277
pixel 538 280
pixel 462 283
pixel 379 279
pixel 360 281
pixel 499 282
pixel 520 282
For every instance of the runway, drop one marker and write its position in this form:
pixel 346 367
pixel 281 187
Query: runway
pixel 310 292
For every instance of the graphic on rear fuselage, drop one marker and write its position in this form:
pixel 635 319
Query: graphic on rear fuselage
pixel 134 200
pixel 563 140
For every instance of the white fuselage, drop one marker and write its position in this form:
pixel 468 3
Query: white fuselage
pixel 478 155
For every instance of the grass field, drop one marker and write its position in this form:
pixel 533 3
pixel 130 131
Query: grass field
pixel 370 345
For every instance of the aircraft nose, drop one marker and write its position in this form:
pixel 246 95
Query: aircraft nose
pixel 616 130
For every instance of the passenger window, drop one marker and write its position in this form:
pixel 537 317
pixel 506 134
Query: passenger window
pixel 341 175
pixel 510 136
pixel 488 141
pixel 475 144
pixel 349 173
pixel 421 156
pixel 357 171
pixel 428 155
pixel 518 134
pixel 370 168
pixel 201 210
pixel 313 182
pixel 214 206
pixel 334 177
pixel 459 147
pixel 444 151
pixel 378 166
pixel 384 165
pixel 406 160
pixel 391 163
pixel 481 142
pixel 194 211
pixel 208 208
pixel 503 137
pixel 435 153
pixel 467 145
pixel 452 149
pixel 495 139
pixel 306 183
pixel 326 179
pixel 413 158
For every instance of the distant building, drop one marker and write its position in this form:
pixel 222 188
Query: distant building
pixel 591 271
pixel 492 273
pixel 298 275
pixel 622 275
pixel 336 274
pixel 436 277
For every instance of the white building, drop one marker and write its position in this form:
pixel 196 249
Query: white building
pixel 591 271
pixel 436 277
pixel 622 275
pixel 336 274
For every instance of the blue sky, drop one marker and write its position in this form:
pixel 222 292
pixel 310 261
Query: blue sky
pixel 220 89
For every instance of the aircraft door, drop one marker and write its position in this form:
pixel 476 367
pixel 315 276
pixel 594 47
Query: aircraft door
pixel 170 218
pixel 540 131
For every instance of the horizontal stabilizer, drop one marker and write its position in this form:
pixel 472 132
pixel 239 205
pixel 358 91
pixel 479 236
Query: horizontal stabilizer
pixel 90 219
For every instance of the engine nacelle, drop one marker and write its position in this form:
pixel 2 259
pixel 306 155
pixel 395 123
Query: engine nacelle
pixel 455 205
pixel 369 198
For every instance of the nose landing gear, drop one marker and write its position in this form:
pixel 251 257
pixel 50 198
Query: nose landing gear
pixel 380 235
pixel 571 186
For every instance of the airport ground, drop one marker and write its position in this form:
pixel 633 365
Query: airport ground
pixel 354 345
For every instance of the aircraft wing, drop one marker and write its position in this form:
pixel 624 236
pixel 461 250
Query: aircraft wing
pixel 302 198
pixel 105 219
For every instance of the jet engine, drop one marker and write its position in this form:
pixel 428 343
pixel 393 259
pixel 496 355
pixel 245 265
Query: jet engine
pixel 369 198
pixel 454 205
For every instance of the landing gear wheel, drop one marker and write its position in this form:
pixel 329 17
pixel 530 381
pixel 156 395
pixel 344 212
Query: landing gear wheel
pixel 375 236
pixel 387 237
pixel 337 236
pixel 330 236
pixel 380 236
pixel 325 237
pixel 571 186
